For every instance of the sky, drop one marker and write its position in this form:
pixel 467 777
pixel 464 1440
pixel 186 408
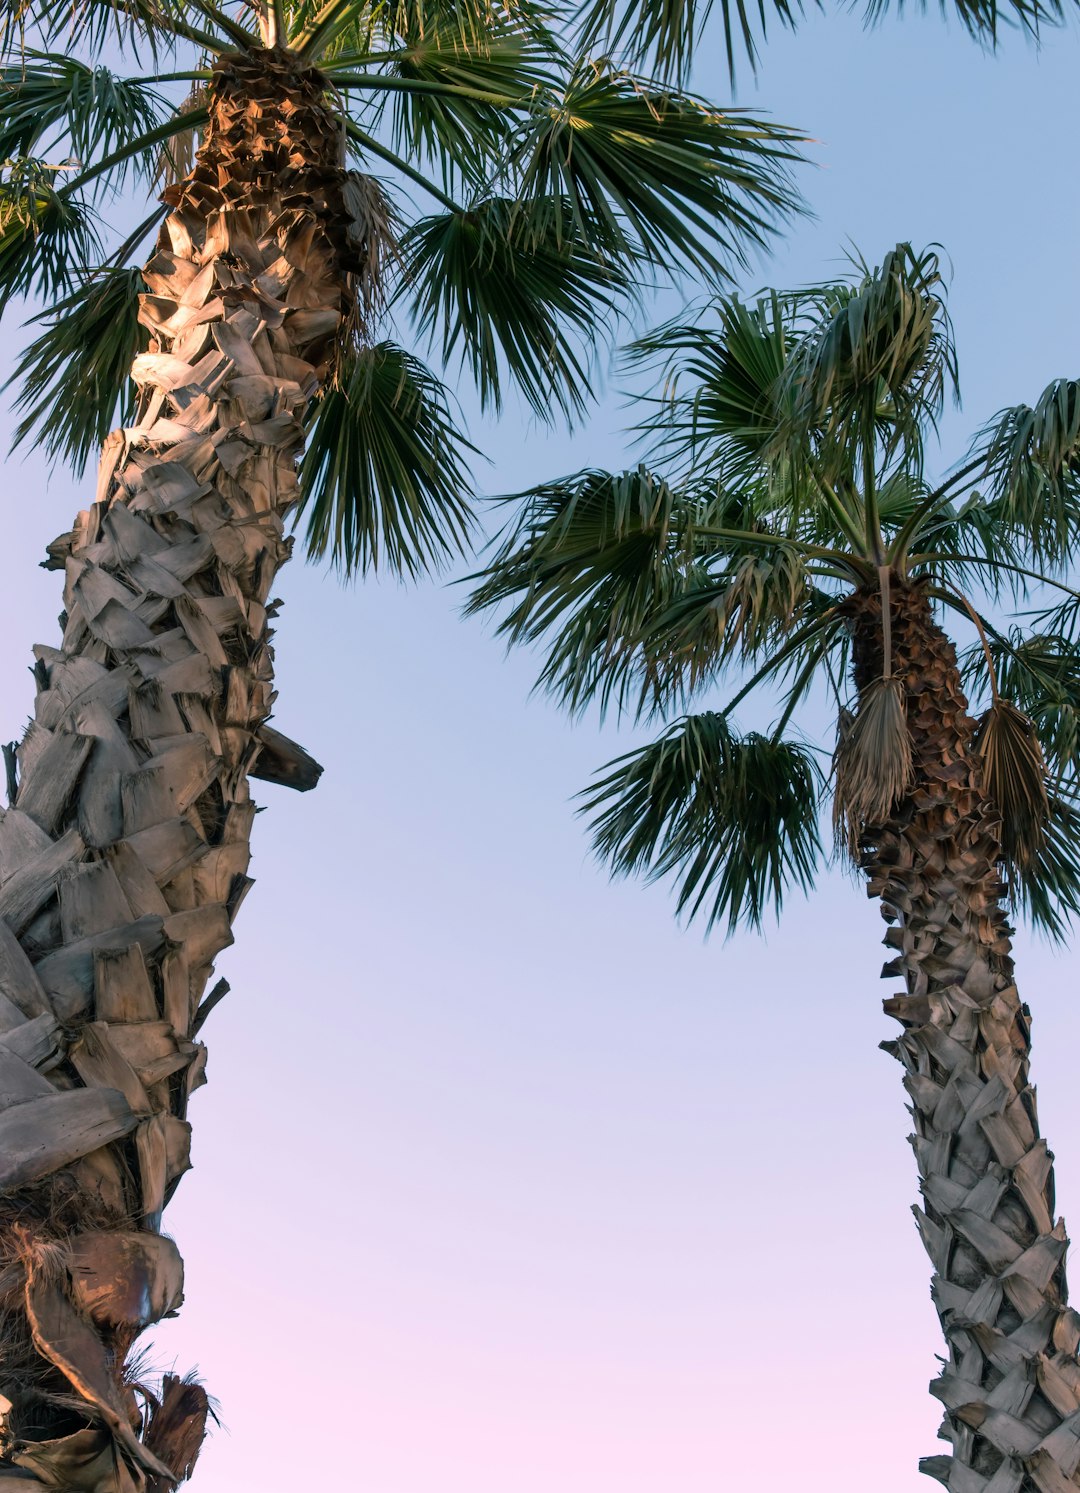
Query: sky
pixel 504 1182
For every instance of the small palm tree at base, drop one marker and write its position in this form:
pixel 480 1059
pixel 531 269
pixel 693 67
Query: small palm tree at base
pixel 801 543
pixel 257 327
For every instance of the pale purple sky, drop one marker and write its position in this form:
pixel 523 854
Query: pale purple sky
pixel 503 1183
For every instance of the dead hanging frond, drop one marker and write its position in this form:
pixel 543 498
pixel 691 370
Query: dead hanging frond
pixel 872 765
pixel 176 158
pixel 175 1424
pixel 371 229
pixel 1014 778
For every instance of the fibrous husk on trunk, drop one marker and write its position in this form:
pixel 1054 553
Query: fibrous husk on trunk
pixel 124 856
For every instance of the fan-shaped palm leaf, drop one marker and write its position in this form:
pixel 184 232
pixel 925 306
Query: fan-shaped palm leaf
pixel 385 472
pixel 733 819
pixel 74 376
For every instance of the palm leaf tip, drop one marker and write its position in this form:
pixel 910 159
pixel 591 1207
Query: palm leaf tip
pixel 47 237
pixel 384 479
pixel 74 377
pixel 873 762
pixel 733 819
pixel 1014 778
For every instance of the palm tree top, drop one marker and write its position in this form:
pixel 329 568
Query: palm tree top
pixel 794 433
pixel 519 199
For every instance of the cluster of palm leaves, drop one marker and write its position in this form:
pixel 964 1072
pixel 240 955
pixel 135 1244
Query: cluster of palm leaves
pixel 794 432
pixel 524 194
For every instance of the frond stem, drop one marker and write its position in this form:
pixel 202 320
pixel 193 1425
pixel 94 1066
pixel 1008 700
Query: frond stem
pixel 314 38
pixel 927 506
pixel 388 81
pixel 837 507
pixel 361 137
pixel 1032 575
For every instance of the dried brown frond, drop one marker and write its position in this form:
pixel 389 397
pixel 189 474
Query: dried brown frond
pixel 177 156
pixel 372 239
pixel 872 762
pixel 176 1425
pixel 1014 777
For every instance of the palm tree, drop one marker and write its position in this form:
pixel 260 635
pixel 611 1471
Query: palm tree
pixel 799 543
pixel 259 328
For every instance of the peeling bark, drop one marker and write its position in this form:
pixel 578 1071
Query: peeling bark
pixel 1011 1386
pixel 124 856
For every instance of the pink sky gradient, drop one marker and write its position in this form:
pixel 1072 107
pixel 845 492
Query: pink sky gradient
pixel 503 1183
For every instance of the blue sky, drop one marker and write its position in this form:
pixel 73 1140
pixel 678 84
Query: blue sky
pixel 503 1182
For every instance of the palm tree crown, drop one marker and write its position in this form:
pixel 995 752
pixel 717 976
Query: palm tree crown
pixel 800 543
pixel 560 186
pixel 796 429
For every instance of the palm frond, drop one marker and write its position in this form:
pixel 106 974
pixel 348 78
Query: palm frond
pixel 983 19
pixel 724 382
pixel 48 238
pixel 1014 778
pixel 1032 470
pixel 588 560
pixel 458 113
pixel 516 299
pixel 1041 673
pixel 384 478
pixel 659 176
pixel 87 111
pixel 74 377
pixel 873 762
pixel 733 819
pixel 884 345
pixel 156 25
pixel 661 35
pixel 1047 887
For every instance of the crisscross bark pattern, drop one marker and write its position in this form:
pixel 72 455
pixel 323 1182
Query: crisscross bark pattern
pixel 124 855
pixel 1011 1386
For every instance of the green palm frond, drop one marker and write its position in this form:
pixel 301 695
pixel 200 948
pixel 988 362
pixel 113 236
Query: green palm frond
pixel 155 25
pixel 87 111
pixel 385 474
pixel 47 237
pixel 983 19
pixel 733 819
pixel 75 377
pixel 590 559
pixel 662 34
pixel 883 345
pixel 662 176
pixel 1041 672
pixel 502 288
pixel 1047 888
pixel 466 125
pixel 724 383
pixel 1032 470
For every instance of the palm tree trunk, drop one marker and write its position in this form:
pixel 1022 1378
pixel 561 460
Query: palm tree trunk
pixel 124 855
pixel 1011 1386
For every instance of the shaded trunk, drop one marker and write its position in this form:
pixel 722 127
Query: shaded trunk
pixel 124 856
pixel 1011 1386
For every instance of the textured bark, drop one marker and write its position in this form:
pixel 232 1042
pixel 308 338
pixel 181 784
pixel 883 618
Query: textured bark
pixel 124 857
pixel 1011 1386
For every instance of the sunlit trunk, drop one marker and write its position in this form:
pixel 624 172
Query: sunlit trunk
pixel 1011 1386
pixel 124 856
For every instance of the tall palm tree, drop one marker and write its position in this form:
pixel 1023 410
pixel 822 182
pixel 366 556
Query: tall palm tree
pixel 260 328
pixel 799 544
